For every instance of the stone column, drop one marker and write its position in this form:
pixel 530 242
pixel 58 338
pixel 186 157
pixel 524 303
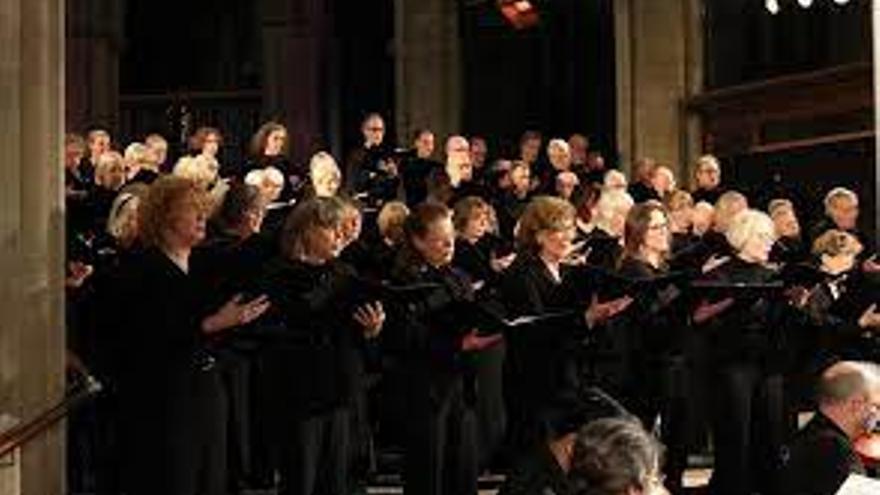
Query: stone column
pixel 428 67
pixel 94 42
pixel 875 9
pixel 295 52
pixel 31 231
pixel 659 66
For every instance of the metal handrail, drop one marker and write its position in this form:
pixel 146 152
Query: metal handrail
pixel 19 435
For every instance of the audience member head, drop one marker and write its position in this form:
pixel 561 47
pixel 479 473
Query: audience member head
pixel 707 173
pixel 373 130
pixel 423 143
pixel 842 207
pixel 201 169
pixel 430 234
pixel 663 180
pixel 206 141
pixel 479 151
pixel 269 140
pixel 158 148
pixel 172 215
pixel 458 160
pixel 849 395
pixel 586 203
pixel 351 222
pixel 595 161
pixel 751 234
pixel 122 222
pixel 137 157
pixel 727 207
pixel 74 150
pixel 324 174
pixel 520 178
pixel 269 180
pixel 530 146
pixel 646 233
pixel 837 251
pixel 559 154
pixel 680 207
pixel 579 145
pixel 99 143
pixel 617 457
pixel 471 218
pixel 566 184
pixel 703 218
pixel 110 171
pixel 312 231
pixel 500 174
pixel 784 218
pixel 547 228
pixel 614 179
pixel 390 222
pixel 241 210
pixel 643 170
pixel 611 211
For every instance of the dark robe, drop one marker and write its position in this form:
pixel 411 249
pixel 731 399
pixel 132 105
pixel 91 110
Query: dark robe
pixel 144 176
pixel 642 192
pixel 415 172
pixel 819 459
pixel 367 179
pixel 537 474
pixel 542 360
pixel 441 450
pixel 747 358
pixel 708 195
pixel 172 406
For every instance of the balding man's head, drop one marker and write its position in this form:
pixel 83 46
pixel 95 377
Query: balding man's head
pixel 849 394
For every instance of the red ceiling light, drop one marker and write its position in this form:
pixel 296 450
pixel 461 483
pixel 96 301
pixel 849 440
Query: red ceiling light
pixel 521 14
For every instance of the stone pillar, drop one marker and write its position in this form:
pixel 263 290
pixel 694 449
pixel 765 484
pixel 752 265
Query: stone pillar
pixel 428 68
pixel 31 231
pixel 295 57
pixel 94 41
pixel 875 9
pixel 659 66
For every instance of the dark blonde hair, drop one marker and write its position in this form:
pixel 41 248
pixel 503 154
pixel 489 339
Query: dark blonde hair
pixel 465 208
pixel 161 204
pixel 314 213
pixel 391 218
pixel 835 242
pixel 543 213
pixel 261 137
pixel 638 222
pixel 197 140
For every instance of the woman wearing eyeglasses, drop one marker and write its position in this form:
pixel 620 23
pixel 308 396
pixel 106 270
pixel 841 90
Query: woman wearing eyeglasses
pixel 653 331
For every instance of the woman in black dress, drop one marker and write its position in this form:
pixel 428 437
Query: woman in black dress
pixel 268 149
pixel 655 325
pixel 171 401
pixel 321 326
pixel 435 339
pixel 747 359
pixel 542 359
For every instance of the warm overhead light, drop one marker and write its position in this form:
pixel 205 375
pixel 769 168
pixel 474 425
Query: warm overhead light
pixel 519 13
pixel 805 3
pixel 772 6
pixel 841 2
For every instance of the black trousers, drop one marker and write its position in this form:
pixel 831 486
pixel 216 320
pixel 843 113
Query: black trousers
pixel 235 374
pixel 441 450
pixel 174 437
pixel 314 454
pixel 748 428
pixel 490 409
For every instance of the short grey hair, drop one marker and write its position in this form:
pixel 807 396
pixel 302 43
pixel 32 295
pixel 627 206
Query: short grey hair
pixel 836 195
pixel 746 225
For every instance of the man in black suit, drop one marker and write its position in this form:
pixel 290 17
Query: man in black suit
pixel 822 456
